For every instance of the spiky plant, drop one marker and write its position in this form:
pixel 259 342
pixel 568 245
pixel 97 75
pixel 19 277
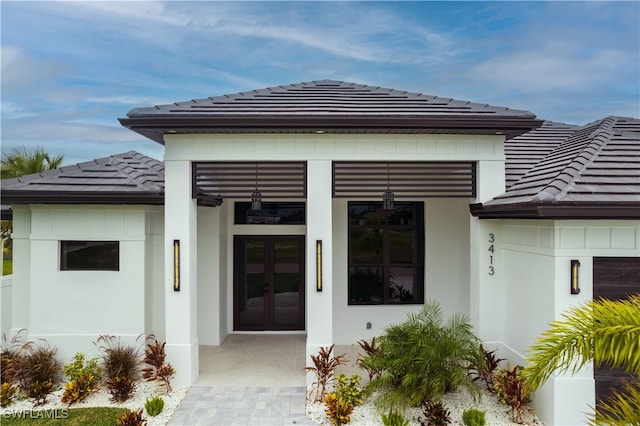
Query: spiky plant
pixel 603 331
pixel 158 369
pixel 368 348
pixel 324 367
pixel 422 359
pixel 120 366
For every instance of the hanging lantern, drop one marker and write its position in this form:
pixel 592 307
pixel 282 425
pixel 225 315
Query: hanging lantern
pixel 388 196
pixel 256 197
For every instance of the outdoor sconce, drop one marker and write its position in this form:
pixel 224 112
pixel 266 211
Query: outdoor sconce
pixel 575 281
pixel 318 265
pixel 176 265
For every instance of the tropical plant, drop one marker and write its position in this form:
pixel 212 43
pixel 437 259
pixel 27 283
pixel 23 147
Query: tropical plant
pixel 473 417
pixel 84 378
pixel 349 389
pixel 7 393
pixel 368 348
pixel 338 410
pixel 131 418
pixel 158 369
pixel 25 161
pixel 154 406
pixel 324 367
pixel 603 331
pixel 394 419
pixel 510 388
pixel 484 366
pixel 435 414
pixel 120 366
pixel 422 359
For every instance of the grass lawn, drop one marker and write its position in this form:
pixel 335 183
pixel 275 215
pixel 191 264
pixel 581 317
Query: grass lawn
pixel 7 267
pixel 99 416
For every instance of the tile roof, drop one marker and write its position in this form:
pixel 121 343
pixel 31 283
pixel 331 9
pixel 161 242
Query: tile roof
pixel 130 178
pixel 595 166
pixel 331 106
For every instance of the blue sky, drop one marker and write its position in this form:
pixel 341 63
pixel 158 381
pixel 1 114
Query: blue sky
pixel 70 69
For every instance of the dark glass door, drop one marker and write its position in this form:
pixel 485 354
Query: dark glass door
pixel 268 282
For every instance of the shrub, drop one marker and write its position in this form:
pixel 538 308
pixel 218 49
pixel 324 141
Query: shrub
pixel 511 389
pixel 7 392
pixel 473 417
pixel 120 366
pixel 484 367
pixel 132 418
pixel 324 366
pixel 154 406
pixel 394 419
pixel 338 410
pixel 422 359
pixel 83 379
pixel 349 390
pixel 38 371
pixel 435 414
pixel 158 369
pixel 10 358
pixel 368 348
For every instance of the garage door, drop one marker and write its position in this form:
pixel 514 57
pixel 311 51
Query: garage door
pixel 613 278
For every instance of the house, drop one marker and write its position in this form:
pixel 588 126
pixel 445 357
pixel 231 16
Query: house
pixel 332 209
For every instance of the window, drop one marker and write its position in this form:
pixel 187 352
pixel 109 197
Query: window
pixel 89 255
pixel 282 213
pixel 386 253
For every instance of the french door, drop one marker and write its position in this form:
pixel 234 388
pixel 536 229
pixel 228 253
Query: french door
pixel 268 282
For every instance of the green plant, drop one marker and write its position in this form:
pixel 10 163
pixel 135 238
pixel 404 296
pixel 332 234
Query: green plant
pixel 473 417
pixel 324 367
pixel 132 418
pixel 603 331
pixel 120 366
pixel 338 410
pixel 511 389
pixel 159 369
pixel 484 365
pixel 7 392
pixel 154 406
pixel 38 371
pixel 422 359
pixel 435 414
pixel 83 378
pixel 368 348
pixel 349 389
pixel 394 419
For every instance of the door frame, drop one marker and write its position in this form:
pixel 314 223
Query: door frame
pixel 269 263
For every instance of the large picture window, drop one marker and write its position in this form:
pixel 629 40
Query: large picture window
pixel 386 253
pixel 89 256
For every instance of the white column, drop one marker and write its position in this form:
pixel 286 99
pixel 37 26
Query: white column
pixel 22 264
pixel 180 306
pixel 319 227
pixel 485 290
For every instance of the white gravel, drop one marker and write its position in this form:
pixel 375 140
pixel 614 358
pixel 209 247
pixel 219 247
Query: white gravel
pixel 496 414
pixel 101 398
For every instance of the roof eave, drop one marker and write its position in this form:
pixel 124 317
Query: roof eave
pixel 154 127
pixel 619 210
pixel 16 197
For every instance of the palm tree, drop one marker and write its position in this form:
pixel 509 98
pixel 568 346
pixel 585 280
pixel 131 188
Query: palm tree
pixel 603 331
pixel 25 161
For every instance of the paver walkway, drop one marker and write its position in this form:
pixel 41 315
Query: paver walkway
pixel 250 406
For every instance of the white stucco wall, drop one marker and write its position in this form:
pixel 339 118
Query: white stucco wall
pixel 71 309
pixel 534 262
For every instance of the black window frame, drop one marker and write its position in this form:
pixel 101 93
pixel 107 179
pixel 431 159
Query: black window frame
pixel 416 226
pixel 268 214
pixel 65 247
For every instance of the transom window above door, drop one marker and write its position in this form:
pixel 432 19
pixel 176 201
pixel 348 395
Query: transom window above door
pixel 386 253
pixel 276 213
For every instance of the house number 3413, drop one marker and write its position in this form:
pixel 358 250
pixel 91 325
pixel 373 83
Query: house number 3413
pixel 492 240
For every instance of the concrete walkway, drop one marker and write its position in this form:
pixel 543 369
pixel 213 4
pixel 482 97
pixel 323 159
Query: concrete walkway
pixel 251 379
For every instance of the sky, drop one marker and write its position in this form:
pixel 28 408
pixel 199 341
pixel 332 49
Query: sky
pixel 71 69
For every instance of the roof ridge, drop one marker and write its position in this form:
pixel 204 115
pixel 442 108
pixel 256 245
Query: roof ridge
pixel 124 164
pixel 566 177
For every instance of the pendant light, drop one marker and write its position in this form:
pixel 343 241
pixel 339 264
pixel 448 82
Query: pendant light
pixel 388 195
pixel 256 197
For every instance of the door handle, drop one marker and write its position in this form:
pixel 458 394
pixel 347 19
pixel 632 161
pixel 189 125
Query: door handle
pixel 266 287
